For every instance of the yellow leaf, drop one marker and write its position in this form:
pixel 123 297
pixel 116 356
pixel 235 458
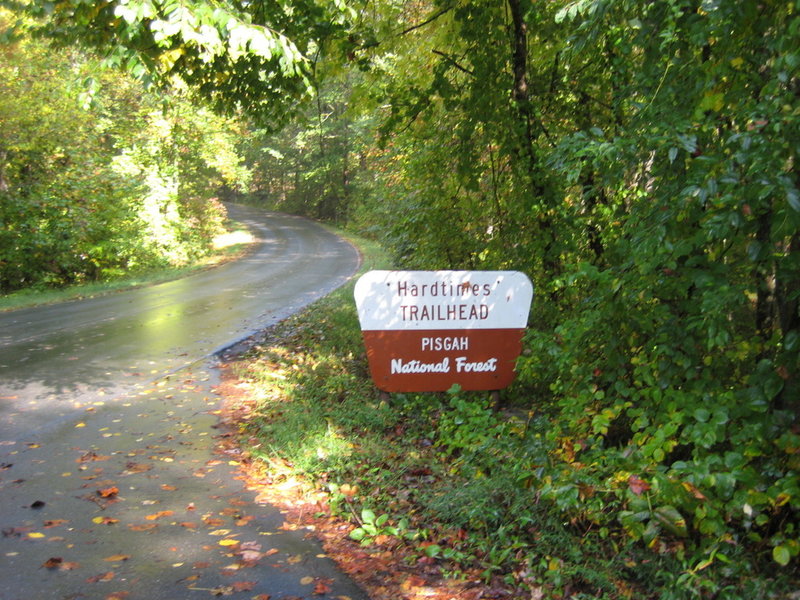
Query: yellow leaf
pixel 306 581
pixel 228 542
pixel 79 425
pixel 36 535
pixel 220 532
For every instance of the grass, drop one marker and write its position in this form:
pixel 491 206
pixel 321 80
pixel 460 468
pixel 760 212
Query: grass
pixel 228 246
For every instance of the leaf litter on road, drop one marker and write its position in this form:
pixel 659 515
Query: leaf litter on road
pixel 100 469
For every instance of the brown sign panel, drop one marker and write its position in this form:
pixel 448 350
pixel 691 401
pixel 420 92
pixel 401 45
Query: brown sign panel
pixel 429 330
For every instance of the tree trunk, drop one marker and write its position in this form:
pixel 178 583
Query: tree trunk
pixel 551 262
pixel 3 181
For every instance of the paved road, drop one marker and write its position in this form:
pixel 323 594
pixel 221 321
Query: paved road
pixel 109 485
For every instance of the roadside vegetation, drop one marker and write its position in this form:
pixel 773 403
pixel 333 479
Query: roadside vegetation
pixel 496 494
pixel 102 177
pixel 231 244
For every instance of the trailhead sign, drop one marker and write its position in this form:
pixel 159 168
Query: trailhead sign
pixel 427 330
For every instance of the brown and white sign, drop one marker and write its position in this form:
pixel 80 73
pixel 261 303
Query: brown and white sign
pixel 427 330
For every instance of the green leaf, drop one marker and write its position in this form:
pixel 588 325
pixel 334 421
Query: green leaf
pixel 433 551
pixel 358 534
pixel 673 154
pixel 671 520
pixel 702 415
pixel 781 555
pixel 367 516
pixel 793 198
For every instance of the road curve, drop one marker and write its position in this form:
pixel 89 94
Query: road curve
pixel 109 484
pixel 55 355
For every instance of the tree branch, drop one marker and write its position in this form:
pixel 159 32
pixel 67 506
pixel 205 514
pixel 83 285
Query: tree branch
pixel 453 62
pixel 430 19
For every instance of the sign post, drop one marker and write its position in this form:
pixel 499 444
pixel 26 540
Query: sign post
pixel 427 330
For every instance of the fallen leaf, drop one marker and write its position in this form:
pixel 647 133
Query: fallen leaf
pixel 413 581
pixel 55 523
pixel 251 546
pixel 220 532
pixel 262 597
pixel 217 591
pixel 38 504
pixel 52 563
pixel 168 488
pixel 109 492
pixel 143 527
pixel 243 586
pixel 160 514
pixel 104 520
pixel 306 581
pixel 102 577
pixel 321 588
pixel 36 535
pixel 250 557
pixel 228 542
pixel 91 456
pixel 134 467
pixel 118 596
pixel 15 531
pixel 59 563
pixel 117 558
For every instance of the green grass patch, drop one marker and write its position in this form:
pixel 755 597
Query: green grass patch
pixel 228 246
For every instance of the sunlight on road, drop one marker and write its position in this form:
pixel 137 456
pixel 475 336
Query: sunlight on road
pixel 231 238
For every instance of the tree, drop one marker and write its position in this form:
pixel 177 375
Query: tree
pixel 99 177
pixel 251 57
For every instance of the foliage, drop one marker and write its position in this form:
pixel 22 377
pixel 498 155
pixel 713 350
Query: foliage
pixel 236 56
pixel 479 493
pixel 99 178
pixel 312 166
pixel 638 162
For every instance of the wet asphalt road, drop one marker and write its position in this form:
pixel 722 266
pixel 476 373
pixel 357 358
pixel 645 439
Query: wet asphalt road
pixel 109 484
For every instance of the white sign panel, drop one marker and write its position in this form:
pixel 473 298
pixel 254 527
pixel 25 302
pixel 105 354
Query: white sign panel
pixel 403 300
